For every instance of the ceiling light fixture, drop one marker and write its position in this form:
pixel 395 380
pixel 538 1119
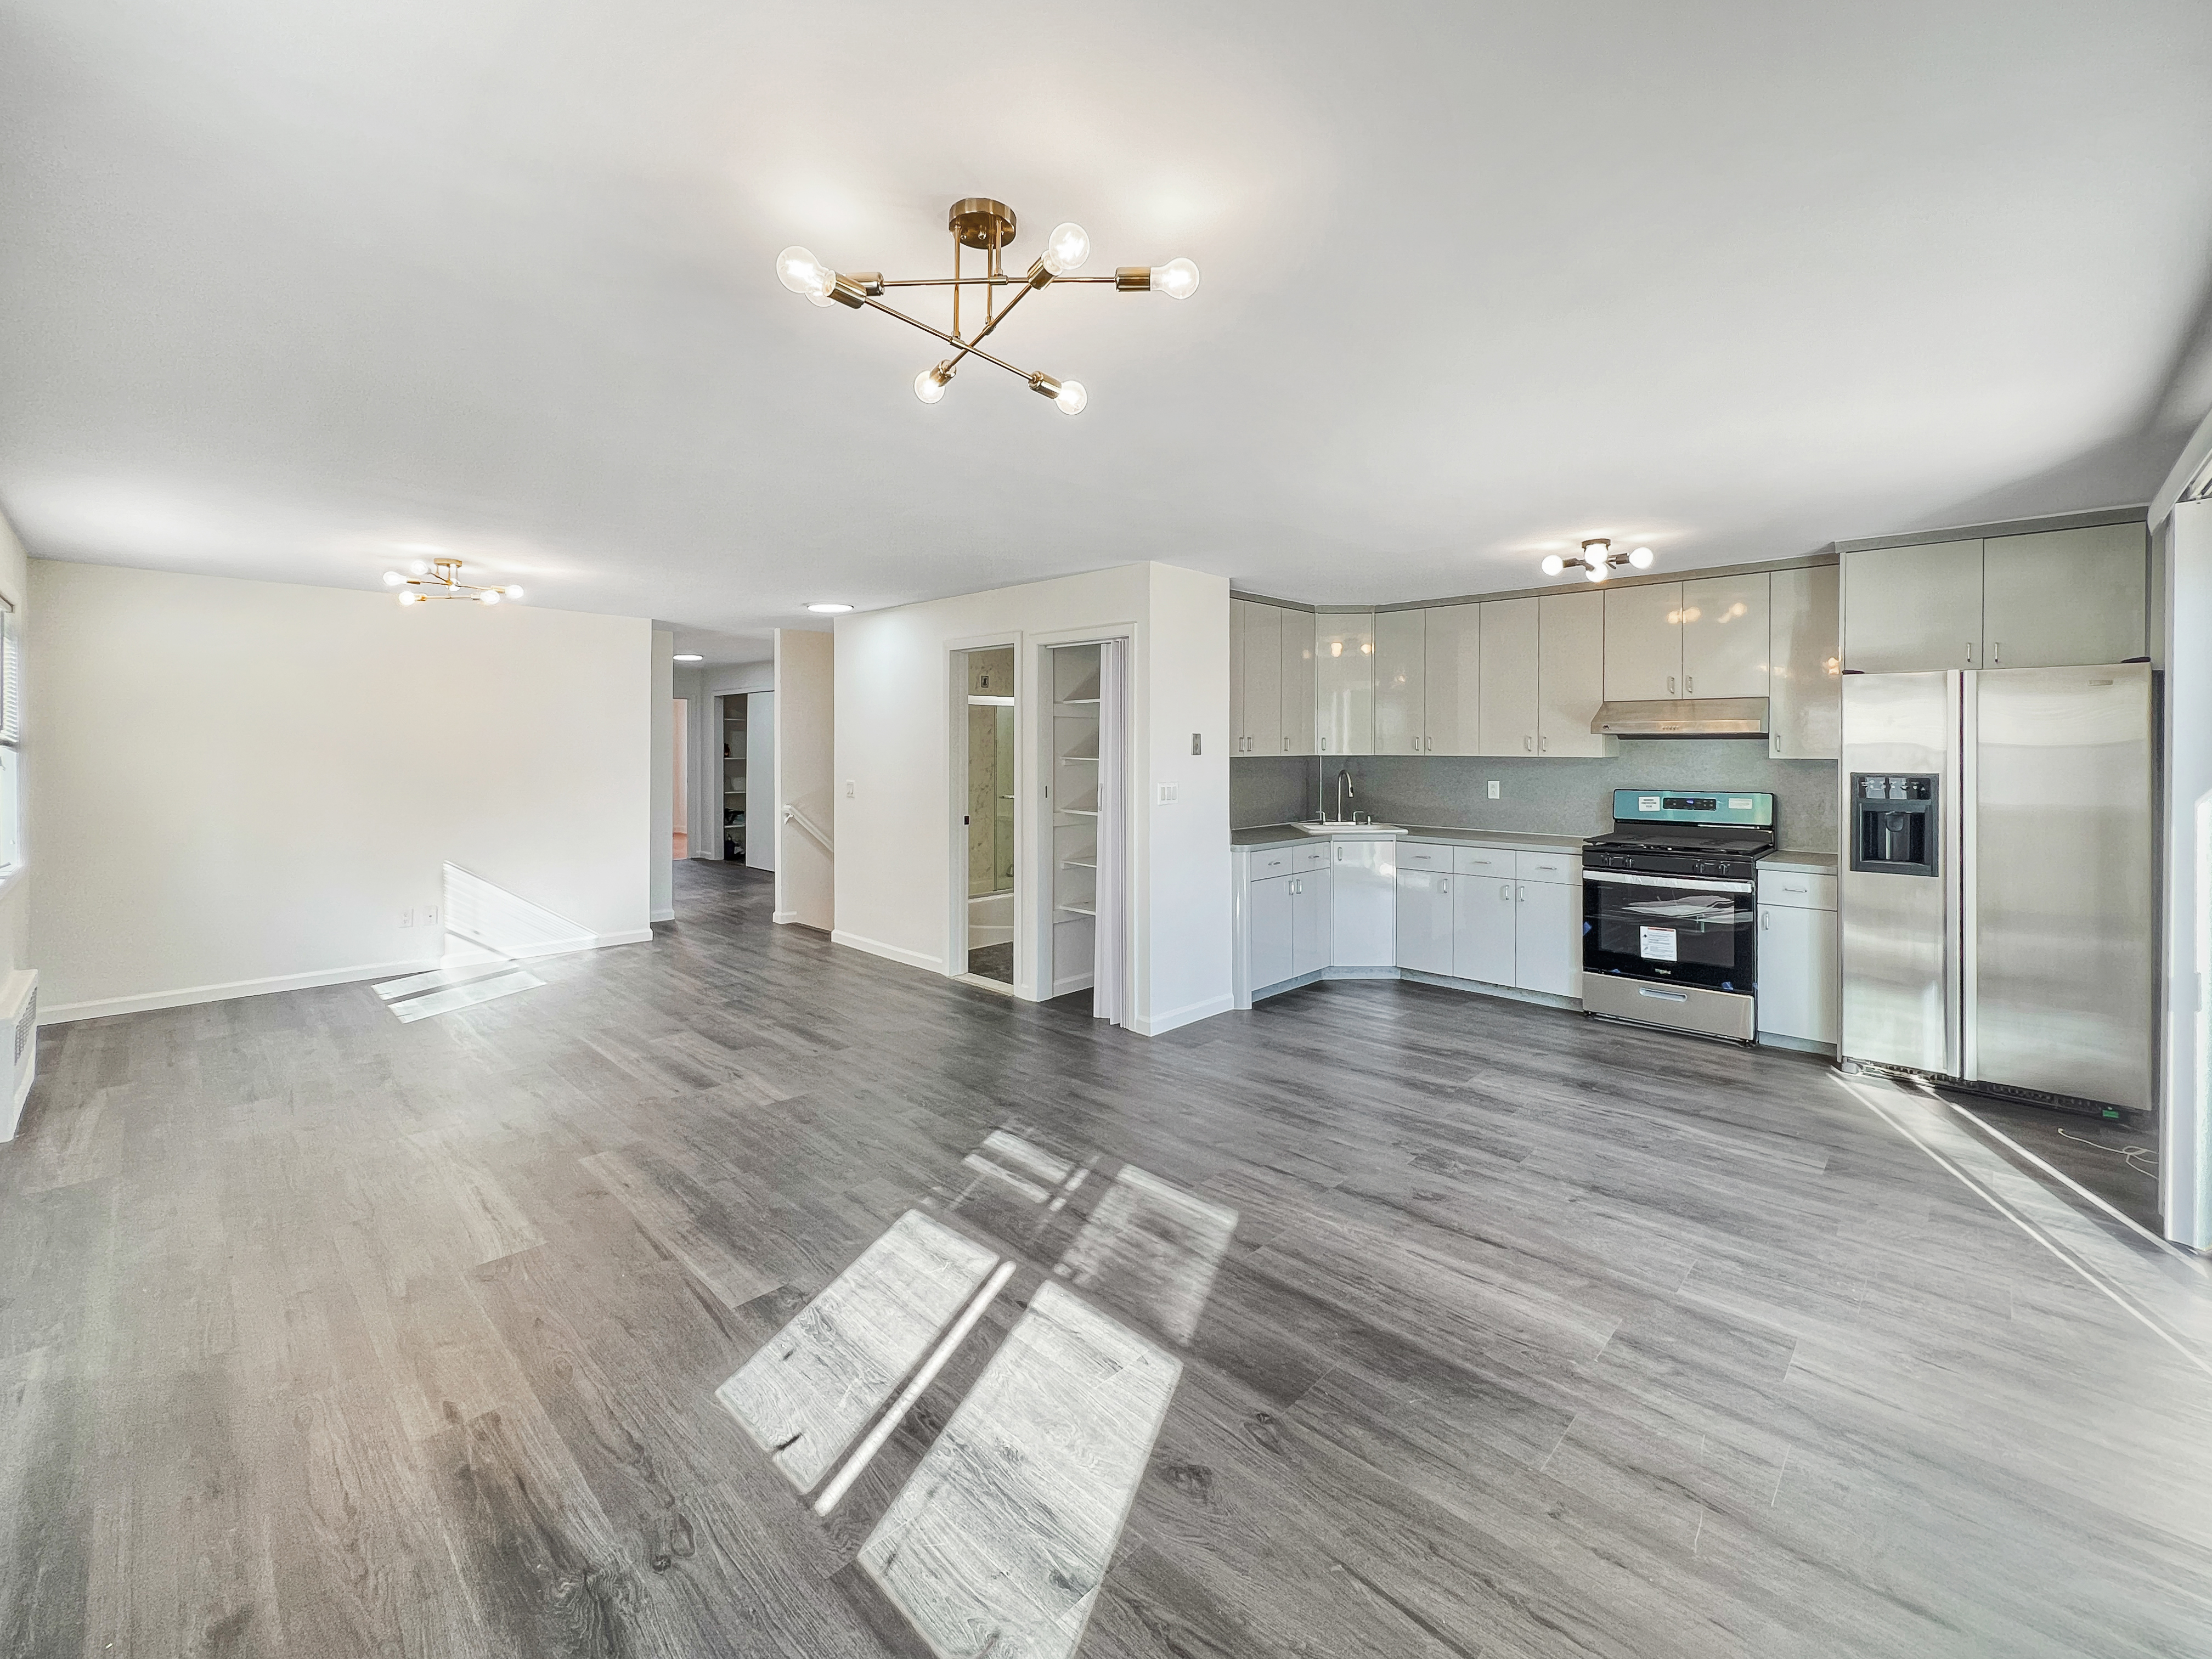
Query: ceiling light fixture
pixel 977 221
pixel 1598 561
pixel 441 579
pixel 688 656
pixel 831 609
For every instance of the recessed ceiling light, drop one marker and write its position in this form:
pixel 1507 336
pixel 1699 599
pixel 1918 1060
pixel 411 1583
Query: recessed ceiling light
pixel 688 656
pixel 829 609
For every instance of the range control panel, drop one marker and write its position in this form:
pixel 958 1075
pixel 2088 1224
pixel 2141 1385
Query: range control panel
pixel 1751 808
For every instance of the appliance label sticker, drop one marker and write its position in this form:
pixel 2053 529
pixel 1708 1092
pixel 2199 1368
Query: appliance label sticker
pixel 1658 944
pixel 1647 803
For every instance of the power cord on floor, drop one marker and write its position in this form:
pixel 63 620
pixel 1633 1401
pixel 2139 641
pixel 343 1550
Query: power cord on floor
pixel 2127 1154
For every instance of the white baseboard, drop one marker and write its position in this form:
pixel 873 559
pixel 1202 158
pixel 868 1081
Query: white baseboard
pixel 781 916
pixel 889 952
pixel 62 1013
pixel 669 914
pixel 1189 1013
pixel 15 1107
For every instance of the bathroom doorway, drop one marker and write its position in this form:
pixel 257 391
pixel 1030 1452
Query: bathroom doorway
pixel 988 813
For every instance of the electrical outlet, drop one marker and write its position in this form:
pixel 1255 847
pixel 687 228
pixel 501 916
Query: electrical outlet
pixel 1492 790
pixel 430 915
pixel 848 789
pixel 407 918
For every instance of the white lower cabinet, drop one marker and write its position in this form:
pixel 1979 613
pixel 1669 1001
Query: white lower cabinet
pixel 1313 926
pixel 1363 905
pixel 1482 929
pixel 1425 920
pixel 1800 965
pixel 1272 928
pixel 1547 936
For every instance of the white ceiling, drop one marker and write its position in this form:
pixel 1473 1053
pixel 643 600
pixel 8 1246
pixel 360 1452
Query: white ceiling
pixel 286 290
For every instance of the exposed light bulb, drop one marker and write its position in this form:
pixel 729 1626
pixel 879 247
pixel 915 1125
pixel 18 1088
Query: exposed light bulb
pixel 393 579
pixel 799 271
pixel 928 386
pixel 1071 398
pixel 410 597
pixel 512 592
pixel 1553 564
pixel 488 597
pixel 1177 279
pixel 419 567
pixel 1065 249
pixel 1336 647
pixel 1367 647
pixel 1641 557
pixel 1597 571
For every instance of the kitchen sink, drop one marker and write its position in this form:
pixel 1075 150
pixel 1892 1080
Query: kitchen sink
pixel 1352 828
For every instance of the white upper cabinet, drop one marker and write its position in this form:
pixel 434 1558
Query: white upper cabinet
pixel 1236 608
pixel 1724 641
pixel 1297 683
pixel 1644 642
pixel 1908 609
pixel 2065 597
pixel 1344 675
pixel 1400 683
pixel 1452 661
pixel 1805 704
pixel 1571 674
pixel 1509 676
pixel 1263 679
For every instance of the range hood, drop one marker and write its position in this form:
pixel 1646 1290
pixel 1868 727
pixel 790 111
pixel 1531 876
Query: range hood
pixel 1686 717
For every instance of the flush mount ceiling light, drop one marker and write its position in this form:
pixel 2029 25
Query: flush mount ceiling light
pixel 1598 560
pixel 830 609
pixel 688 656
pixel 440 579
pixel 977 221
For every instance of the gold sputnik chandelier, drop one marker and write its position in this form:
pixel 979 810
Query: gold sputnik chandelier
pixel 977 221
pixel 440 579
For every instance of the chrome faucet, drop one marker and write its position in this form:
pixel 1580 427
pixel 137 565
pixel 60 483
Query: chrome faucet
pixel 1343 788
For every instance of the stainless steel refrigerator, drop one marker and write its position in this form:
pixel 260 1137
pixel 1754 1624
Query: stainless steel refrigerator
pixel 1997 883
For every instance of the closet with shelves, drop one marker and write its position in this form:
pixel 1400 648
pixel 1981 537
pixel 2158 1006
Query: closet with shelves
pixel 1073 673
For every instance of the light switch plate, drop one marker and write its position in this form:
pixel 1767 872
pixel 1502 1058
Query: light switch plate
pixel 1167 794
pixel 1494 789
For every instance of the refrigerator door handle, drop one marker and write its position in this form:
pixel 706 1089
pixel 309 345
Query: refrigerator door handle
pixel 1964 903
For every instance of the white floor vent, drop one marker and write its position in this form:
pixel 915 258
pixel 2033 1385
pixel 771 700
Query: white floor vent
pixel 19 1008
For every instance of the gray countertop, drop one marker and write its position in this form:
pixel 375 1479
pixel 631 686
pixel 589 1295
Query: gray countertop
pixel 1519 841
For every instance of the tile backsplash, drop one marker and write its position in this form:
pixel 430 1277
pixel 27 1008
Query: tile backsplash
pixel 1546 797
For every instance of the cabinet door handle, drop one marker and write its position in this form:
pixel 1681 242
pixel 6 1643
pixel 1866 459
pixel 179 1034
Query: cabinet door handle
pixel 1444 885
pixel 1970 654
pixel 1529 743
pixel 1766 919
pixel 1520 896
pixel 1689 685
pixel 1543 743
pixel 1670 686
pixel 1506 891
pixel 1996 652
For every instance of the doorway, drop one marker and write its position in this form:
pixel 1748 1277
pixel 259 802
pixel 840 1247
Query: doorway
pixel 988 813
pixel 681 818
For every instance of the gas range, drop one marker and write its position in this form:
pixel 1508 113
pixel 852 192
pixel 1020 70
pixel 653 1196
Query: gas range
pixel 1668 899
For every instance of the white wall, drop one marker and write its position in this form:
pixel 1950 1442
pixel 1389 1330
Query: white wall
pixel 760 780
pixel 895 719
pixel 2185 1119
pixel 806 741
pixel 16 894
pixel 240 785
pixel 661 858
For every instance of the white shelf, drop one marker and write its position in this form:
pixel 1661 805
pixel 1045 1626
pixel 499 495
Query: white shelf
pixel 1078 864
pixel 1080 909
pixel 1078 811
pixel 1086 760
pixel 1070 702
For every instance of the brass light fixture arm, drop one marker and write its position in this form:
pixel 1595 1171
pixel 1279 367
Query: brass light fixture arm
pixel 964 346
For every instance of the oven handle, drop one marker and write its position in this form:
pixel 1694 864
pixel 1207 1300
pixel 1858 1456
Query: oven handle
pixel 1663 996
pixel 1702 883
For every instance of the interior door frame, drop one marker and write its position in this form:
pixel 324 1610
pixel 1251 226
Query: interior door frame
pixel 1035 929
pixel 955 802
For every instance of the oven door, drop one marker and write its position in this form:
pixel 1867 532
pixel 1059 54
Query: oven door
pixel 1683 930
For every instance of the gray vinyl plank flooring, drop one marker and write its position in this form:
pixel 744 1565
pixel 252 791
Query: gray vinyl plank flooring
pixel 1383 1320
